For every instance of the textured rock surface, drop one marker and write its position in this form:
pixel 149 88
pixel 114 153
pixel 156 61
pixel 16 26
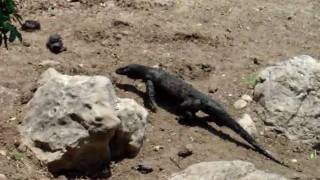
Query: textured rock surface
pixel 224 170
pixel 78 123
pixel 289 93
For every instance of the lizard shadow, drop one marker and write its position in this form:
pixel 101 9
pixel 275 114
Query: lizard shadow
pixel 171 107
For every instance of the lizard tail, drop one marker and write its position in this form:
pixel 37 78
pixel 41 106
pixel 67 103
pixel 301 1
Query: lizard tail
pixel 235 126
pixel 216 110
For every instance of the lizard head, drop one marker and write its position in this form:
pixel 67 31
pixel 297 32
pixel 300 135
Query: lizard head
pixel 133 71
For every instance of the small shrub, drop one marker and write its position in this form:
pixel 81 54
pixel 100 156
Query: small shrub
pixel 251 80
pixel 8 15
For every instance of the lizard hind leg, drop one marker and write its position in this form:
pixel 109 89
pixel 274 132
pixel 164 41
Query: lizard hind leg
pixel 187 110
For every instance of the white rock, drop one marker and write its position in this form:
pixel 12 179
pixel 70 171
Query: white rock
pixel 3 152
pixel 247 123
pixel 288 93
pixel 222 170
pixel 71 120
pixel 246 97
pixel 3 177
pixel 158 148
pixel 49 63
pixel 240 104
pixel 294 160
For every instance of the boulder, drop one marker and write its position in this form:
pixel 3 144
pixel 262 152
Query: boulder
pixel 221 170
pixel 78 123
pixel 289 94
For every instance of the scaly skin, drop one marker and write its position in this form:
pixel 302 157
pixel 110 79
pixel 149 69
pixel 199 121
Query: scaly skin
pixel 190 99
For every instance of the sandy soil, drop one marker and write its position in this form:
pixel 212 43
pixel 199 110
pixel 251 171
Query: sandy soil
pixel 215 45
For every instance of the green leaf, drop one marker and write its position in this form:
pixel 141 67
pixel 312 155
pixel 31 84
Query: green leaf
pixel 9 14
pixel 3 17
pixel 10 6
pixel 14 34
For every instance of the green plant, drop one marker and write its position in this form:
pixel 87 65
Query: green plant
pixel 251 80
pixel 8 15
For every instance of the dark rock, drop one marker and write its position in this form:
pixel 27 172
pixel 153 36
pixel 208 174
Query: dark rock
pixel 30 26
pixel 144 168
pixel 55 44
pixel 185 152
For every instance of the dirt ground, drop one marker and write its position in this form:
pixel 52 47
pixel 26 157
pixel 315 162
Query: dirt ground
pixel 215 45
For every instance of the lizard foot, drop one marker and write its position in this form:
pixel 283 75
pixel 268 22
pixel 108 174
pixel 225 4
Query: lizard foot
pixel 186 117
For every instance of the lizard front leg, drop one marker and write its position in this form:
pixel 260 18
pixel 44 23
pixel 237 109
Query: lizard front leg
pixel 151 93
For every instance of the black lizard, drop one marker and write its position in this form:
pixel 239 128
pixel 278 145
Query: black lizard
pixel 190 99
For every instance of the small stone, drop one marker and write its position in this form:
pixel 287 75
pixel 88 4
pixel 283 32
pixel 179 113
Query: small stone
pixel 49 63
pixel 55 44
pixel 246 97
pixel 240 104
pixel 3 177
pixel 17 143
pixel 185 152
pixel 158 148
pixel 212 91
pixel 61 178
pixel 3 153
pixel 144 168
pixel 30 26
pixel 12 119
pixel 118 36
pixel 255 61
pixel 247 123
pixel 22 148
pixel 26 44
pixel 156 66
pixel 294 160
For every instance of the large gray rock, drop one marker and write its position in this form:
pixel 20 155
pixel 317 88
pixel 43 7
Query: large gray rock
pixel 289 93
pixel 78 123
pixel 224 170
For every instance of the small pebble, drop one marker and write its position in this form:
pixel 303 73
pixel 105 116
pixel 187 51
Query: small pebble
pixel 13 119
pixel 49 63
pixel 212 91
pixel 61 178
pixel 185 152
pixel 246 97
pixel 144 168
pixel 30 26
pixel 294 160
pixel 3 177
pixel 158 148
pixel 240 104
pixel 26 44
pixel 3 153
pixel 55 44
pixel 22 148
